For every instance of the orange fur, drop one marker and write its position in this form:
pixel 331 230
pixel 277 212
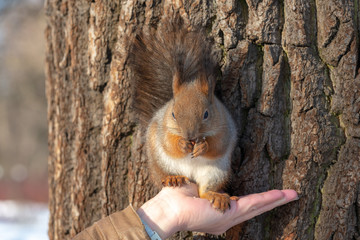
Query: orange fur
pixel 171 146
pixel 216 146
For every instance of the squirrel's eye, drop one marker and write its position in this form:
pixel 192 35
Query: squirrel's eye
pixel 173 115
pixel 206 114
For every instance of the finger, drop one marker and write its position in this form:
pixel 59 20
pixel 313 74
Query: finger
pixel 256 204
pixel 290 195
pixel 260 199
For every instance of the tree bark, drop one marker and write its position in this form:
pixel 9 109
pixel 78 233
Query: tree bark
pixel 289 73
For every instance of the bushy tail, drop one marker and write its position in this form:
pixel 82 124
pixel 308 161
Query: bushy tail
pixel 155 57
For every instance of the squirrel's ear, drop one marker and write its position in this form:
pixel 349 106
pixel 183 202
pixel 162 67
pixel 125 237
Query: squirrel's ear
pixel 206 85
pixel 176 83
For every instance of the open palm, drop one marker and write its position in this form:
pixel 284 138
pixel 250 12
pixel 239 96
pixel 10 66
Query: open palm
pixel 196 214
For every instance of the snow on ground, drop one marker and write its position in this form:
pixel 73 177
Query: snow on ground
pixel 23 220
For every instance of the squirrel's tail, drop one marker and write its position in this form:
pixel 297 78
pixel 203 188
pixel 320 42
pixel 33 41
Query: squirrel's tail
pixel 156 57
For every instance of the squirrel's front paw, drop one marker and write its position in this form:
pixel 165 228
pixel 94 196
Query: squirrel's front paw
pixel 185 146
pixel 200 148
pixel 175 181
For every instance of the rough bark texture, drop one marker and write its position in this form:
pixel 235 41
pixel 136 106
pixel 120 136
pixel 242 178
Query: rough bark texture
pixel 289 73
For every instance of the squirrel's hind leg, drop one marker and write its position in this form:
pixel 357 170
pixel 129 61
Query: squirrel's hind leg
pixel 219 201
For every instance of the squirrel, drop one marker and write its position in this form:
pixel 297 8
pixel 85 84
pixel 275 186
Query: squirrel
pixel 190 134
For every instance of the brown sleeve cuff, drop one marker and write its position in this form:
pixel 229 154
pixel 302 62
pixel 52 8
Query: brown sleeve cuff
pixel 125 224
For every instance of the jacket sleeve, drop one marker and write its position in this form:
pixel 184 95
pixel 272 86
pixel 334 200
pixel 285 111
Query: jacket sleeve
pixel 120 225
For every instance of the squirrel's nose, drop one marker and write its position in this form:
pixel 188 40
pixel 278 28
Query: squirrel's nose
pixel 190 136
pixel 190 139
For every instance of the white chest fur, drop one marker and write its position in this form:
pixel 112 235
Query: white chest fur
pixel 205 172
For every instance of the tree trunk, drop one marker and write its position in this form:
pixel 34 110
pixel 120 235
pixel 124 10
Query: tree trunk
pixel 289 73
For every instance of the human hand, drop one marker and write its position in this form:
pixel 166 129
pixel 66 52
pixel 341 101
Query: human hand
pixel 178 209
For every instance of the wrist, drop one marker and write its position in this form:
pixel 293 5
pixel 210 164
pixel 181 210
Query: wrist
pixel 159 216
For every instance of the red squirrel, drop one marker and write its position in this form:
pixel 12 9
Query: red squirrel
pixel 190 134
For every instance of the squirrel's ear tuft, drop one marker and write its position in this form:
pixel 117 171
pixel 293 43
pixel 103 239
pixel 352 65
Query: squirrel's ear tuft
pixel 206 86
pixel 176 83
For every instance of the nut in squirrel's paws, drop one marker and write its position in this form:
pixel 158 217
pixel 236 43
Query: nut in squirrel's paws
pixel 185 146
pixel 200 147
pixel 175 181
pixel 219 201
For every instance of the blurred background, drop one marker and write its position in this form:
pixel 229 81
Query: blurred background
pixel 23 124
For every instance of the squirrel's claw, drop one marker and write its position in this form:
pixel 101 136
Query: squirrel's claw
pixel 200 148
pixel 175 181
pixel 185 146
